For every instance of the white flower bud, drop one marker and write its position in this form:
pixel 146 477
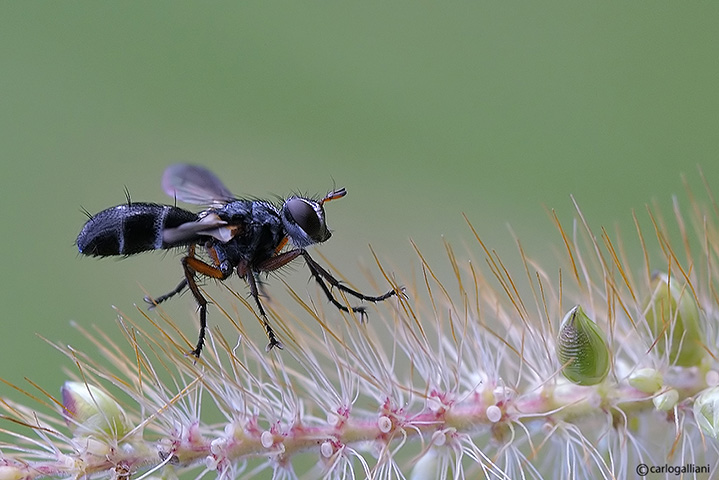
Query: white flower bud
pixel 267 439
pixel 384 424
pixel 494 413
pixel 90 410
pixel 327 449
pixel 427 467
pixel 11 473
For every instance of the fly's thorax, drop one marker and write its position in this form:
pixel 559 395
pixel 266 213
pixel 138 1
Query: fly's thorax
pixel 257 232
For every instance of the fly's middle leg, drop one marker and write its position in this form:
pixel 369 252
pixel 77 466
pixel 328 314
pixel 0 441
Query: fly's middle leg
pixel 254 291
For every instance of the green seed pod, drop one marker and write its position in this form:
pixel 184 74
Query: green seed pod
pixel 706 412
pixel 665 401
pixel 673 317
pixel 582 349
pixel 646 380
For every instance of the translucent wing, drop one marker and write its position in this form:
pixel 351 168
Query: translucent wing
pixel 195 184
pixel 210 225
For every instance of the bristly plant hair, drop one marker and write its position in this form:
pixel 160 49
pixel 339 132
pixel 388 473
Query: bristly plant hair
pixel 471 374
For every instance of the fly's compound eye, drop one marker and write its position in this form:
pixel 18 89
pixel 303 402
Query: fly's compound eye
pixel 309 217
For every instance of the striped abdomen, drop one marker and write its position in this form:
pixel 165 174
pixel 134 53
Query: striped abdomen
pixel 130 228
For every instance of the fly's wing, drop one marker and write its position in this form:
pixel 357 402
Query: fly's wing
pixel 195 184
pixel 210 225
pixel 198 185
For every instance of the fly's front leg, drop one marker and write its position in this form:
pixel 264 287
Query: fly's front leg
pixel 320 275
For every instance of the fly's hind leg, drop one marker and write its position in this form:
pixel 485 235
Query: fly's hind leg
pixel 192 265
pixel 157 300
pixel 179 288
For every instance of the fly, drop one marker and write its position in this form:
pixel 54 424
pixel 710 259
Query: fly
pixel 249 237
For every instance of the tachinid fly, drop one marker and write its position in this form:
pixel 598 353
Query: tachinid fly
pixel 244 236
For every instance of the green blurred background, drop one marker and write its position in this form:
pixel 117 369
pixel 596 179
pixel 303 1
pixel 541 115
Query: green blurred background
pixel 423 110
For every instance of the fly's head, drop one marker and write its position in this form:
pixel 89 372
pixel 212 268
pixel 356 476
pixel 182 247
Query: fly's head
pixel 304 219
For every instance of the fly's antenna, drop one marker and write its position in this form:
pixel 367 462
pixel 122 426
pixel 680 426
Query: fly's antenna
pixel 333 195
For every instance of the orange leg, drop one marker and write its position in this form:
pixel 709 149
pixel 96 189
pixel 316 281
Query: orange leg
pixel 190 266
pixel 282 244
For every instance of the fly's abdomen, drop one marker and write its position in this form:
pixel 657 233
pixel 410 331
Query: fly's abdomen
pixel 130 228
